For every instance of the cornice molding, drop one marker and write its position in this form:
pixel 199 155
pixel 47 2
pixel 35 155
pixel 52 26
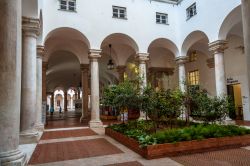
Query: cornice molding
pixel 218 46
pixel 31 26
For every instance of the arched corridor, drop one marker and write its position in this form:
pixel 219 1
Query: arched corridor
pixel 57 58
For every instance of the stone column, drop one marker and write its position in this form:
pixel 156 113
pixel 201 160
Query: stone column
pixel 246 34
pixel 181 60
pixel 121 70
pixel 44 90
pixel 85 87
pixel 40 53
pixel 142 58
pixel 217 48
pixel 65 101
pixel 52 100
pixel 95 121
pixel 30 28
pixel 10 81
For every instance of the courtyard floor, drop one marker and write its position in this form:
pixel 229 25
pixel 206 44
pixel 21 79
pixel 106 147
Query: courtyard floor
pixel 69 142
pixel 90 147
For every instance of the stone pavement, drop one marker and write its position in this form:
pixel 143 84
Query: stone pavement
pixel 81 146
pixel 87 150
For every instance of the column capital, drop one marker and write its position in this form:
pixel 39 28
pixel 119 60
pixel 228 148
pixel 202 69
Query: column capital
pixel 31 26
pixel 181 59
pixel 121 68
pixel 217 46
pixel 142 57
pixel 40 51
pixel 45 66
pixel 94 54
pixel 84 67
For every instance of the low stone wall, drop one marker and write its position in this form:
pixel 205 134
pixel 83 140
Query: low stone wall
pixel 180 148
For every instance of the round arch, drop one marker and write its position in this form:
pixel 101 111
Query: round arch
pixel 166 44
pixel 120 38
pixel 67 39
pixel 67 32
pixel 191 39
pixel 231 20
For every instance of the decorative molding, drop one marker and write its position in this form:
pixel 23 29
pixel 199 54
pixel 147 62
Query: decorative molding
pixel 94 54
pixel 142 57
pixel 218 46
pixel 84 67
pixel 121 69
pixel 31 26
pixel 181 59
pixel 242 48
pixel 210 63
pixel 40 51
pixel 45 66
pixel 161 70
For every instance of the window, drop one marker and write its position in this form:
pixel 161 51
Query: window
pixel 191 11
pixel 161 18
pixel 119 12
pixel 69 5
pixel 193 56
pixel 193 77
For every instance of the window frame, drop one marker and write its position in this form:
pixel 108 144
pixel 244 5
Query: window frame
pixel 193 8
pixel 194 77
pixel 193 56
pixel 161 19
pixel 67 6
pixel 119 9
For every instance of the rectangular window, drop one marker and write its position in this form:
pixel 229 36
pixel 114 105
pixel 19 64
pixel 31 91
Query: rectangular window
pixel 69 5
pixel 193 77
pixel 193 56
pixel 191 11
pixel 119 12
pixel 161 18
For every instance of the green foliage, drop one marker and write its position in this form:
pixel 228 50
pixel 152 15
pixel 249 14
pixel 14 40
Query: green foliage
pixel 121 96
pixel 207 108
pixel 161 105
pixel 138 131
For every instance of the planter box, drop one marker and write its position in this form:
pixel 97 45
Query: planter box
pixel 180 148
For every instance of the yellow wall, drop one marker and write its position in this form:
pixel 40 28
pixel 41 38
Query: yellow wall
pixel 237 95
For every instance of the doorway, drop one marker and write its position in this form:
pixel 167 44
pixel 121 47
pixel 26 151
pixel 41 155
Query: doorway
pixel 234 91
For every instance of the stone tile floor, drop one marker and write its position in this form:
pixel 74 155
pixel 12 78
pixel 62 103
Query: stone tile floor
pixel 67 133
pixel 70 150
pixel 75 144
pixel 229 157
pixel 83 151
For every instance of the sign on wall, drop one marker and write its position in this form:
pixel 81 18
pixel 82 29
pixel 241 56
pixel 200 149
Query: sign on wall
pixel 232 81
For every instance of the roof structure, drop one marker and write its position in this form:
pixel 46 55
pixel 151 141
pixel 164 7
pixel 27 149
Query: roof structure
pixel 169 1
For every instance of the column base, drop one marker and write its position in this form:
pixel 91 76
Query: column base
pixel 29 137
pixel 39 127
pixel 11 158
pixel 95 124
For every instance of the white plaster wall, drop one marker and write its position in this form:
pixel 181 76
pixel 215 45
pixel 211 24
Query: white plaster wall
pixel 94 19
pixel 235 67
pixel 210 16
pixel 207 75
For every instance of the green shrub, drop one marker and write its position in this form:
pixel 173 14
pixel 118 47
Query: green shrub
pixel 139 130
